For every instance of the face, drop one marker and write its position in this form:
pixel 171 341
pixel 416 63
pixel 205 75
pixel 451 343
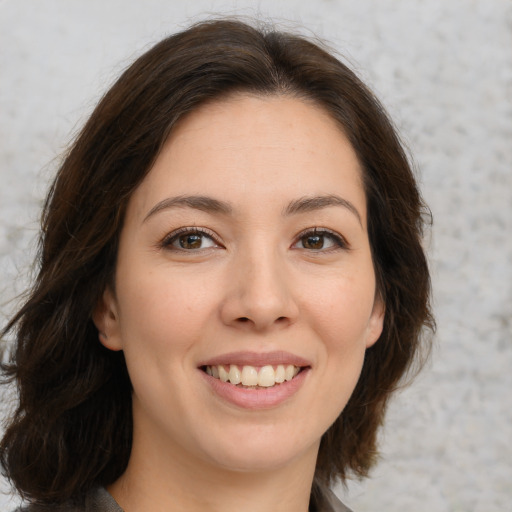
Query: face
pixel 245 292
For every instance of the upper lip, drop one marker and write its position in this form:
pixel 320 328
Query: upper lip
pixel 247 358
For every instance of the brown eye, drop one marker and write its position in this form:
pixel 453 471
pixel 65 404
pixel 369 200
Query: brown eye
pixel 314 242
pixel 189 240
pixel 320 240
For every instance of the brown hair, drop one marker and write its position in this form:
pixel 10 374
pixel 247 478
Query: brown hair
pixel 72 428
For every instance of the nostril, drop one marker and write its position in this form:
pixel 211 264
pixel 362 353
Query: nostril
pixel 244 319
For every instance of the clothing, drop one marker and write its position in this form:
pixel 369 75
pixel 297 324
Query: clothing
pixel 327 501
pixel 99 500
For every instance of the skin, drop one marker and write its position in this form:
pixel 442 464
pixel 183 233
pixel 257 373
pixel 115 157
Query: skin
pixel 254 282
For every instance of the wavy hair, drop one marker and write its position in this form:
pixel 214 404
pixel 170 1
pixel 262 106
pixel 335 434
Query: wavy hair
pixel 72 428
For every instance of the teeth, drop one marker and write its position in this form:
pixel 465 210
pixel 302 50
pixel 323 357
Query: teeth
pixel 280 374
pixel 223 374
pixel 289 372
pixel 235 377
pixel 249 376
pixel 265 377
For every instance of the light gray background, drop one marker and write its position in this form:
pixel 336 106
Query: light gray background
pixel 444 71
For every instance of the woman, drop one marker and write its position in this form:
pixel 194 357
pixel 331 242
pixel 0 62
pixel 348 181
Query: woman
pixel 231 286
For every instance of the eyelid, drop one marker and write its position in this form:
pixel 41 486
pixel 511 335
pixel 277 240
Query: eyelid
pixel 339 239
pixel 170 237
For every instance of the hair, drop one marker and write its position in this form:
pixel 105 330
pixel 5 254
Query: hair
pixel 72 428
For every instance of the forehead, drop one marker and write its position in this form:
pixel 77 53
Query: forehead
pixel 246 147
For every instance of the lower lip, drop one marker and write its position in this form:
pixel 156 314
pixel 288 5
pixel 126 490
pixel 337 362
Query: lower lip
pixel 260 398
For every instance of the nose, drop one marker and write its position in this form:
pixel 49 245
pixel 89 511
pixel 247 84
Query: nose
pixel 259 294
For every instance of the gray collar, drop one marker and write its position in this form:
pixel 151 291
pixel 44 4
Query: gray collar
pixel 100 500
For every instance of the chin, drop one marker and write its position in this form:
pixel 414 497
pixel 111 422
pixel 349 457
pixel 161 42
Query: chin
pixel 260 452
pixel 247 463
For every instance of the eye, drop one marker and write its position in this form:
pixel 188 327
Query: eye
pixel 189 239
pixel 320 240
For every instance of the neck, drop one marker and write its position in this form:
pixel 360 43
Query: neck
pixel 159 481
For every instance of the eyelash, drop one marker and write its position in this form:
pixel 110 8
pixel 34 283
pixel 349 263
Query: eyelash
pixel 339 242
pixel 191 231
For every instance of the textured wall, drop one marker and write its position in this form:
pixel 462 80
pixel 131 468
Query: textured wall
pixel 444 70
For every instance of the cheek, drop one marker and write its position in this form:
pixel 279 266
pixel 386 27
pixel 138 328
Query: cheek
pixel 162 314
pixel 341 309
pixel 340 313
pixel 162 320
pixel 341 317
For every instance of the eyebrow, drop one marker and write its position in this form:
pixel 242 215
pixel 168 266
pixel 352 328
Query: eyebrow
pixel 308 204
pixel 211 205
pixel 203 203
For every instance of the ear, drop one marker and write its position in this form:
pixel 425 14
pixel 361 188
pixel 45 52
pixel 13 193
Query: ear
pixel 376 322
pixel 106 320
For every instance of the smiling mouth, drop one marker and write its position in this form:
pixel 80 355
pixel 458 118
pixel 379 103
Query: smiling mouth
pixel 253 377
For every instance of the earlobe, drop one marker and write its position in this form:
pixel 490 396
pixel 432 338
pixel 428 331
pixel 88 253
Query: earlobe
pixel 376 323
pixel 105 319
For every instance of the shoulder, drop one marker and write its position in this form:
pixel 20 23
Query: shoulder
pixel 53 508
pixel 97 500
pixel 327 501
pixel 335 504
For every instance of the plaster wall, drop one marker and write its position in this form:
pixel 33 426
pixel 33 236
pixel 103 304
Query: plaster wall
pixel 444 71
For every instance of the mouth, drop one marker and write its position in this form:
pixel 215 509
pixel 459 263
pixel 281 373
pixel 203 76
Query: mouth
pixel 253 377
pixel 255 380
